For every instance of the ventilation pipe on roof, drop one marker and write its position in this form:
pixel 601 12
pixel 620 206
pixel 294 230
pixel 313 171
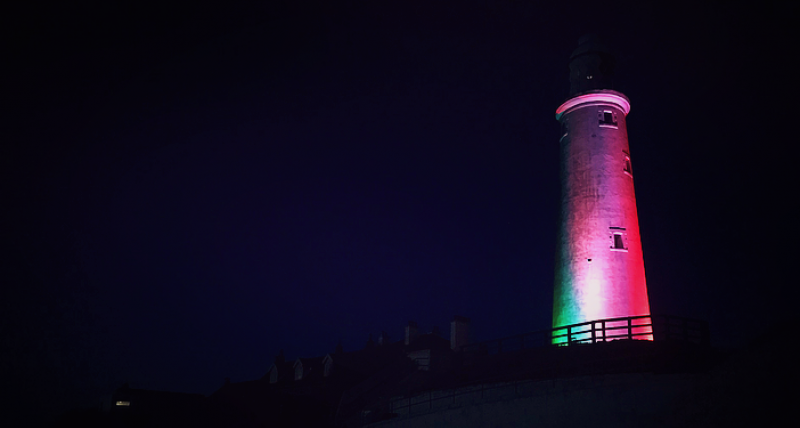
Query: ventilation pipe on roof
pixel 459 332
pixel 411 332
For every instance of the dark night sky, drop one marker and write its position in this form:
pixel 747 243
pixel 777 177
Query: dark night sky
pixel 191 189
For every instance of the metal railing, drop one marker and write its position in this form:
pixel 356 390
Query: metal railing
pixel 646 327
pixel 630 328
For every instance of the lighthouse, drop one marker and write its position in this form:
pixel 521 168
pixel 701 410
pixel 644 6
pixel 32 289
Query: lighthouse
pixel 599 260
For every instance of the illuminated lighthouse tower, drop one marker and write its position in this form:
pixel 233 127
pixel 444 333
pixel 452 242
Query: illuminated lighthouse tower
pixel 599 262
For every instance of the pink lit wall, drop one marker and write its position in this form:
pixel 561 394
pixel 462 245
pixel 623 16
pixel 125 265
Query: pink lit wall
pixel 598 275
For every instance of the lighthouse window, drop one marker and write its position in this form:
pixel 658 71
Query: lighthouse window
pixel 607 119
pixel 619 239
pixel 628 169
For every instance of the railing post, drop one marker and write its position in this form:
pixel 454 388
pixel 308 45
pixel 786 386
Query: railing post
pixel 630 330
pixel 603 327
pixel 594 336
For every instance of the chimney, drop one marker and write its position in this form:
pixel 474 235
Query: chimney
pixel 383 339
pixel 370 342
pixel 339 348
pixel 459 332
pixel 411 332
pixel 436 331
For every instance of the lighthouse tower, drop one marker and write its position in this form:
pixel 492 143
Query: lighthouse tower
pixel 599 262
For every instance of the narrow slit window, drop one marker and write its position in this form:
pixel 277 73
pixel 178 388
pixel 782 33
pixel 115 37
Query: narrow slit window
pixel 627 167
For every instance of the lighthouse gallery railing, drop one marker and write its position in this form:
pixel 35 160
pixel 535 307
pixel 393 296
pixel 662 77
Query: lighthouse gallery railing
pixel 645 327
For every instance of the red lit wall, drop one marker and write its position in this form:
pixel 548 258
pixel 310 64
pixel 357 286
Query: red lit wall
pixel 597 275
